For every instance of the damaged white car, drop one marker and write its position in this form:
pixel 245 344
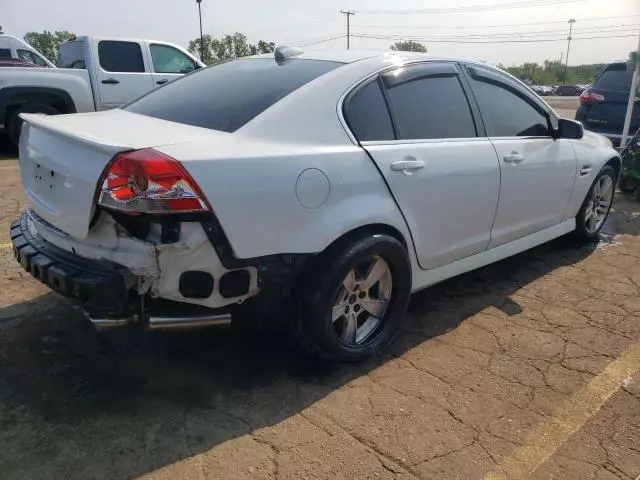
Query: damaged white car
pixel 333 183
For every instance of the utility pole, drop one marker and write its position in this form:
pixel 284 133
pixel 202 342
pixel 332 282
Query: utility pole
pixel 199 2
pixel 566 65
pixel 348 13
pixel 632 98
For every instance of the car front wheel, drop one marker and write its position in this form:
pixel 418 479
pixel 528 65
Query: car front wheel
pixel 595 208
pixel 353 298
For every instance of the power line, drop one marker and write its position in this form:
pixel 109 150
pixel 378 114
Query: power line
pixel 468 27
pixel 470 8
pixel 430 40
pixel 314 41
pixel 538 33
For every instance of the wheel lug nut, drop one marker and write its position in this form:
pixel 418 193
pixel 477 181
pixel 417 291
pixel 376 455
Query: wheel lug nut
pixel 362 295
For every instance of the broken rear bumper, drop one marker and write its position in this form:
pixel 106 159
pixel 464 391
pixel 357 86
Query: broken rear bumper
pixel 102 286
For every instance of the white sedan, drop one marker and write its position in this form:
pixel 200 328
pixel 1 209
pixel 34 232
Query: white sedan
pixel 332 184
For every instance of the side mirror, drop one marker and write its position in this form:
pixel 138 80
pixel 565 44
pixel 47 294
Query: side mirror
pixel 570 129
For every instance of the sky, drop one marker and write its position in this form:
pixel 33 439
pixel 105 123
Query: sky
pixel 299 22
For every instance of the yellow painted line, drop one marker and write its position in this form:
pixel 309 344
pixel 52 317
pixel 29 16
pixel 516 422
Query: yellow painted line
pixel 6 245
pixel 543 441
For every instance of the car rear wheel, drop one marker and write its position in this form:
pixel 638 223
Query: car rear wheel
pixel 595 208
pixel 15 122
pixel 353 298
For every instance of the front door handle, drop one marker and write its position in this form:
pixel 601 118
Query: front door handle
pixel 110 81
pixel 407 166
pixel 513 157
pixel 162 82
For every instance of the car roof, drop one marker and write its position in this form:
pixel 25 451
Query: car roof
pixel 350 56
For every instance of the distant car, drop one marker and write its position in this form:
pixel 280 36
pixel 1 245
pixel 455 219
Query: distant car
pixel 13 62
pixel 13 47
pixel 603 105
pixel 569 90
pixel 332 183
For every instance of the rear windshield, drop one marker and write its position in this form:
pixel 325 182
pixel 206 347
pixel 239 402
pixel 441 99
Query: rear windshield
pixel 616 77
pixel 71 55
pixel 228 95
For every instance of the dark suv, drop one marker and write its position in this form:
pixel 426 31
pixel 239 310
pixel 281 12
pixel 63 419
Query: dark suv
pixel 604 104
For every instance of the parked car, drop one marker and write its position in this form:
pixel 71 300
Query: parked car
pixel 604 105
pixel 13 47
pixel 569 90
pixel 12 62
pixel 332 183
pixel 95 74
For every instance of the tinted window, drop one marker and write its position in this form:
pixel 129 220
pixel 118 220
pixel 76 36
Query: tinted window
pixel 228 95
pixel 506 114
pixel 120 56
pixel 32 57
pixel 167 59
pixel 431 107
pixel 367 114
pixel 71 55
pixel 5 53
pixel 616 77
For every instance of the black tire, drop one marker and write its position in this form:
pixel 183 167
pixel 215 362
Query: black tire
pixel 627 184
pixel 15 122
pixel 582 233
pixel 322 282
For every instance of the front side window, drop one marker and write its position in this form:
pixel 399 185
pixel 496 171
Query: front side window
pixel 167 59
pixel 367 114
pixel 507 114
pixel 116 56
pixel 428 102
pixel 71 55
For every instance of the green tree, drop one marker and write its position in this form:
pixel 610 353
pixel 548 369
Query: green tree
pixel 229 46
pixel 408 46
pixel 47 42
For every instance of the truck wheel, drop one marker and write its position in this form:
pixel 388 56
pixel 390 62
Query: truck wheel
pixel 353 297
pixel 15 122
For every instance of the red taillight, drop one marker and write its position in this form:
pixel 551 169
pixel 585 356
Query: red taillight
pixel 590 98
pixel 146 181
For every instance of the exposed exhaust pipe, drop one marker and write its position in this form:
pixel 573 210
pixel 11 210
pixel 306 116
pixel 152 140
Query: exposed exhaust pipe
pixel 162 323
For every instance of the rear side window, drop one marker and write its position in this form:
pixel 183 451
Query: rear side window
pixel 5 53
pixel 123 57
pixel 228 95
pixel 29 56
pixel 367 114
pixel 430 106
pixel 616 77
pixel 507 114
pixel 71 55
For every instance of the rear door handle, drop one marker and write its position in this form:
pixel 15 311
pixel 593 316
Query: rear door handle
pixel 162 82
pixel 513 157
pixel 407 166
pixel 110 81
pixel 585 170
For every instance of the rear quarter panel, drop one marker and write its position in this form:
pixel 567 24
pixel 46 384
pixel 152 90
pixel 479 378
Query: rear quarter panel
pixel 255 192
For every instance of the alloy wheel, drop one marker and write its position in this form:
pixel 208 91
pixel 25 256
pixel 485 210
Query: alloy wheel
pixel 599 204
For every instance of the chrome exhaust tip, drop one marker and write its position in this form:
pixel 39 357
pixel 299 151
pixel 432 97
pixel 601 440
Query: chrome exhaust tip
pixel 102 324
pixel 188 323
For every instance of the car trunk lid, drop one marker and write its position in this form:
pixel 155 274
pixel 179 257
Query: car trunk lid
pixel 62 158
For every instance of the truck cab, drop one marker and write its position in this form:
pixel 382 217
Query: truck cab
pixel 13 47
pixel 123 69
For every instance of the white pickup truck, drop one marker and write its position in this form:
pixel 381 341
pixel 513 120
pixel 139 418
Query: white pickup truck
pixel 95 74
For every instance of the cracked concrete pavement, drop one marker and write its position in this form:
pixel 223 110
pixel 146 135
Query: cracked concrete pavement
pixel 525 369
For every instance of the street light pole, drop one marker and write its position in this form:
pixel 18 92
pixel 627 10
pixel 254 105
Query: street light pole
pixel 566 65
pixel 199 2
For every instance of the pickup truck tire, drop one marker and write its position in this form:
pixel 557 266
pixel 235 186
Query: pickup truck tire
pixel 15 122
pixel 339 290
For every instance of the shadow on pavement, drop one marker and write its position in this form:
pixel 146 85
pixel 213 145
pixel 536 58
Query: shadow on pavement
pixel 75 407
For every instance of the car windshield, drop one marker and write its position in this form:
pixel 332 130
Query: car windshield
pixel 228 95
pixel 616 77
